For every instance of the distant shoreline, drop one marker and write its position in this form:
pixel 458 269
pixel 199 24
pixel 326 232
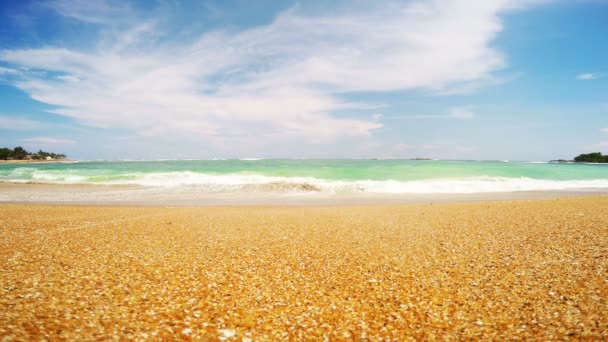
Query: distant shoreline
pixel 34 161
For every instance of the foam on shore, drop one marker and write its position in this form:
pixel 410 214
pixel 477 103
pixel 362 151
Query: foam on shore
pixel 254 182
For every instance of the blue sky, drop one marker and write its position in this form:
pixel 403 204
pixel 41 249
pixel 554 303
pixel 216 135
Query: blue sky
pixel 453 79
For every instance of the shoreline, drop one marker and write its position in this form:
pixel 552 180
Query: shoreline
pixel 135 195
pixel 520 270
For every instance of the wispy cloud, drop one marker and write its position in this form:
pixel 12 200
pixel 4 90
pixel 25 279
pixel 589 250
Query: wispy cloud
pixel 470 87
pixel 16 123
pixel 48 141
pixel 602 145
pixel 454 113
pixel 4 70
pixel 68 78
pixel 433 149
pixel 590 76
pixel 448 145
pixel 283 79
pixel 94 12
pixel 605 130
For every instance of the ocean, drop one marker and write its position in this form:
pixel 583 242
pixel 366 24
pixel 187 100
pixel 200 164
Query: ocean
pixel 327 176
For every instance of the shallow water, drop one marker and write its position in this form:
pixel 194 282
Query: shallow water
pixel 325 176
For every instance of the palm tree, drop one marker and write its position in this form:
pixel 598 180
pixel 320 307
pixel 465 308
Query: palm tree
pixel 19 153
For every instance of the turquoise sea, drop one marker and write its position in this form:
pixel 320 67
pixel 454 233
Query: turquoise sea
pixel 322 175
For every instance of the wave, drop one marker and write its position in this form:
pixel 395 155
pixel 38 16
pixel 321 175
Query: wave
pixel 206 182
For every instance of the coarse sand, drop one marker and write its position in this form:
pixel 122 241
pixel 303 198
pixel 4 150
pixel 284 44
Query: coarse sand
pixel 488 270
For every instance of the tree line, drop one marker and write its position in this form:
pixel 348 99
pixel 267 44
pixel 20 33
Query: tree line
pixel 19 153
pixel 595 157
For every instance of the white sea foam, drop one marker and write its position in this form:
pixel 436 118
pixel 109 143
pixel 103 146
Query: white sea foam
pixel 205 182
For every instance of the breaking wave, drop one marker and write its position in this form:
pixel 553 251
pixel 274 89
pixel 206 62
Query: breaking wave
pixel 207 182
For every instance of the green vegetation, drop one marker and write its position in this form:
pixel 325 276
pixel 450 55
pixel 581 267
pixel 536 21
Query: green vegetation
pixel 595 157
pixel 19 153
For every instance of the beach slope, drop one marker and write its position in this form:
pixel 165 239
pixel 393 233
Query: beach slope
pixel 491 270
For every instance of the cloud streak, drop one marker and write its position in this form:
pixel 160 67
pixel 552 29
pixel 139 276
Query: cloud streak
pixel 93 12
pixel 15 123
pixel 48 141
pixel 590 76
pixel 8 71
pixel 602 145
pixel 283 80
pixel 454 113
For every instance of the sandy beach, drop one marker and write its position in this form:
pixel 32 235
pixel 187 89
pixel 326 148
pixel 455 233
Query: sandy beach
pixel 533 269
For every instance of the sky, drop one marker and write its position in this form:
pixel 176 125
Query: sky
pixel 177 79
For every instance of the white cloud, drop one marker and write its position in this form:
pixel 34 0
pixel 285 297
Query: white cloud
pixel 48 141
pixel 605 130
pixel 274 81
pixel 589 76
pixel 15 123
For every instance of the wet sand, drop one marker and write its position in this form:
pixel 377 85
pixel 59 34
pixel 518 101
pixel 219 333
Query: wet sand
pixel 533 269
pixel 135 195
